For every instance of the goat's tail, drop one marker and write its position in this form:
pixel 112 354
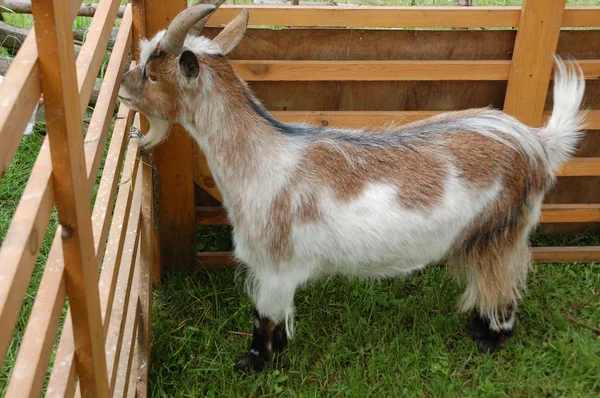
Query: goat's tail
pixel 562 134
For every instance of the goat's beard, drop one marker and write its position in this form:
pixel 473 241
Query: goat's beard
pixel 157 133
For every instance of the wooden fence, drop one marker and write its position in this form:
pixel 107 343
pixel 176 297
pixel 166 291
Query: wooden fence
pixel 99 257
pixel 371 77
pixel 316 70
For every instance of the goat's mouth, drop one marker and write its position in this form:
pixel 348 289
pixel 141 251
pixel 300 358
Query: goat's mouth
pixel 124 98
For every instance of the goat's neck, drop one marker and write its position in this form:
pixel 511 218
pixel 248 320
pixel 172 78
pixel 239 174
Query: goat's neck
pixel 246 155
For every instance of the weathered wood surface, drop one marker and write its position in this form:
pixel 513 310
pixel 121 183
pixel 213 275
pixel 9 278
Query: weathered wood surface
pixel 174 159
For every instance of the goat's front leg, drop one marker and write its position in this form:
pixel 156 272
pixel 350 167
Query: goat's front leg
pixel 272 290
pixel 268 338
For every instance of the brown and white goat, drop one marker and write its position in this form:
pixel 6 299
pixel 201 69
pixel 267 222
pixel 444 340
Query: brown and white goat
pixel 464 188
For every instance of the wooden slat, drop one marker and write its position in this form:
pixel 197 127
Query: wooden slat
pixel 558 213
pixel 124 287
pixel 22 242
pixel 147 258
pixel 395 17
pixel 368 16
pixel 211 215
pixel 551 213
pixel 216 260
pixel 377 119
pixel 285 70
pixel 537 37
pixel 63 121
pixel 581 167
pixel 105 105
pixel 581 254
pixel 129 337
pixel 32 362
pixel 20 91
pixel 98 32
pixel 174 159
pixel 581 16
pixel 61 379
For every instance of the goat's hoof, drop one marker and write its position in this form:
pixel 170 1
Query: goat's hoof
pixel 488 341
pixel 250 362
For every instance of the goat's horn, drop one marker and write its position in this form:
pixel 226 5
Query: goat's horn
pixel 196 30
pixel 178 29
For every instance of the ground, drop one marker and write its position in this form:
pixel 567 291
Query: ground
pixel 355 338
pixel 390 338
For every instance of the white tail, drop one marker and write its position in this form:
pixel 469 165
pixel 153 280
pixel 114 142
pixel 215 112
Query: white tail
pixel 561 135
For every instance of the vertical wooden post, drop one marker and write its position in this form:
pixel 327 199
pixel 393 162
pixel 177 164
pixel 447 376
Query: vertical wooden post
pixel 63 120
pixel 175 169
pixel 529 77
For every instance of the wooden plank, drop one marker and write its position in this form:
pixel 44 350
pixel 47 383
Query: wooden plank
pixel 32 362
pixel 20 91
pixel 105 105
pixel 396 17
pixel 63 121
pixel 22 243
pixel 211 215
pixel 551 213
pixel 146 269
pixel 216 260
pixel 61 378
pixel 377 119
pixel 99 32
pixel 561 213
pixel 581 16
pixel 580 167
pixel 284 70
pixel 581 254
pixel 530 72
pixel 374 17
pixel 174 160
pixel 129 338
pixel 115 320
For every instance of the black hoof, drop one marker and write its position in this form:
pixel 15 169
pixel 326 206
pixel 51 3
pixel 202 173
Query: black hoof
pixel 488 340
pixel 250 362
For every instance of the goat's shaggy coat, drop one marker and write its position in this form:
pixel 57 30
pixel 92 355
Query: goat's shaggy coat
pixel 464 188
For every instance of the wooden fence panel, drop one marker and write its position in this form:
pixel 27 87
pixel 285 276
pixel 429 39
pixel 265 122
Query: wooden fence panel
pixel 57 65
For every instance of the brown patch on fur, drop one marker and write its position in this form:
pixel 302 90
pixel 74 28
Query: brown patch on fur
pixel 308 209
pixel 418 173
pixel 279 227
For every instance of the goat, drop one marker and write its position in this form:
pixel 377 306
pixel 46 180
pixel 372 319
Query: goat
pixel 462 188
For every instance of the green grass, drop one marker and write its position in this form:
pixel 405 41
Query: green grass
pixel 399 337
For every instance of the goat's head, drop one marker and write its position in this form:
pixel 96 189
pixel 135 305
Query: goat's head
pixel 177 67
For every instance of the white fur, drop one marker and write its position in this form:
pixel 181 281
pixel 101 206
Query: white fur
pixel 563 131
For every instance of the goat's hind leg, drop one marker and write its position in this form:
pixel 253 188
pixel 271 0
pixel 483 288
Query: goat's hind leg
pixel 493 288
pixel 273 296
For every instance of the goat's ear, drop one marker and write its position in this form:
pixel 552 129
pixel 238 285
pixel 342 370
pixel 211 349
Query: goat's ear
pixel 231 35
pixel 189 65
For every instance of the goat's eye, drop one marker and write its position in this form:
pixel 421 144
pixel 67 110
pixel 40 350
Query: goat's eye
pixel 152 77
